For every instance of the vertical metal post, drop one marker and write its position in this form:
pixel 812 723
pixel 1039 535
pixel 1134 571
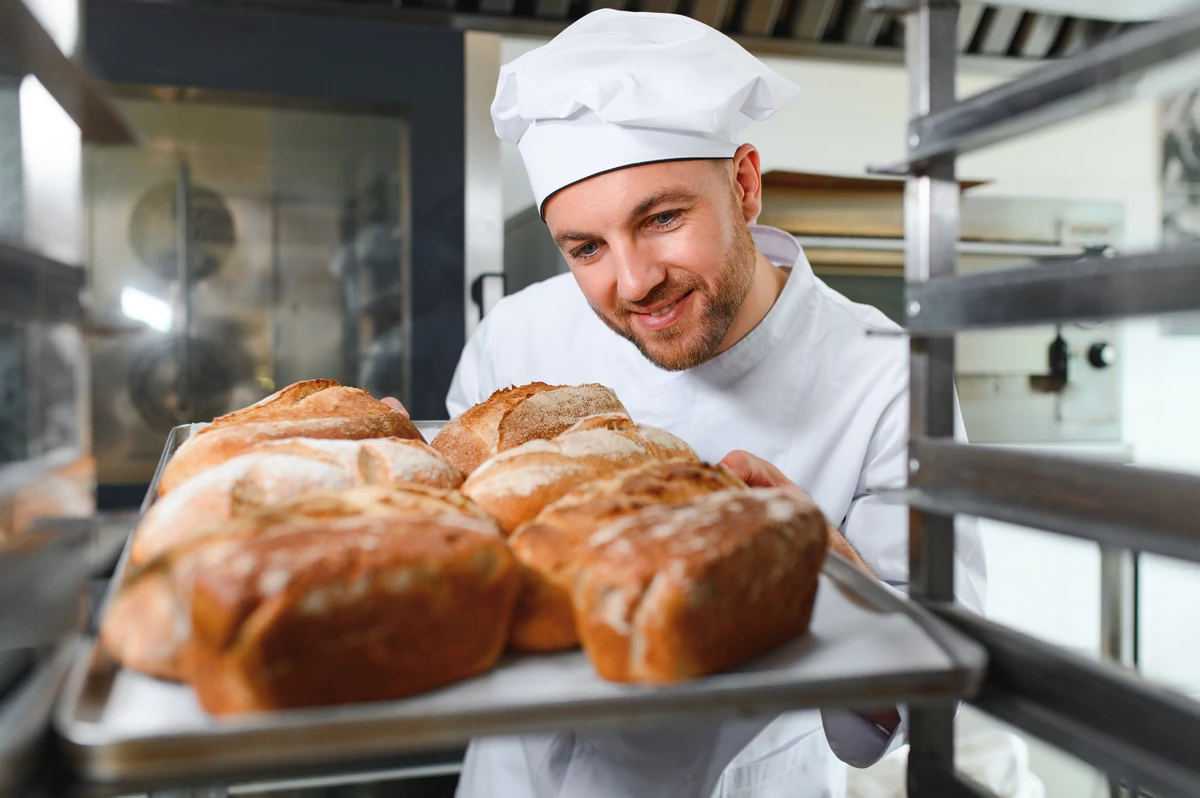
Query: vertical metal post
pixel 931 224
pixel 183 217
pixel 1118 621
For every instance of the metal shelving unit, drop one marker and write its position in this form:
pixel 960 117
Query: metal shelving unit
pixel 1142 736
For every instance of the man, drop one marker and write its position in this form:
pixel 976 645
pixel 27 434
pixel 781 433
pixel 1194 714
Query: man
pixel 709 327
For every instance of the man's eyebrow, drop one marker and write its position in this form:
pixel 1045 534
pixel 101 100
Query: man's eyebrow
pixel 641 210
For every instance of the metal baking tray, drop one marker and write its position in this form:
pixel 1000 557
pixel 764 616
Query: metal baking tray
pixel 25 711
pixel 867 648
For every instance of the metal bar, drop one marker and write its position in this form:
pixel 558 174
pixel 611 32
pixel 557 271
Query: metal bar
pixel 1136 508
pixel 1094 79
pixel 1092 288
pixel 661 6
pixel 865 26
pixel 968 22
pixel 504 7
pixel 992 248
pixel 814 19
pixel 1040 36
pixel 1002 29
pixel 933 781
pixel 552 9
pixel 32 49
pixel 710 12
pixel 1133 731
pixel 931 225
pixel 761 17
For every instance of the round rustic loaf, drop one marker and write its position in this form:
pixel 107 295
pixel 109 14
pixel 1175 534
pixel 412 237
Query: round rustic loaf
pixel 516 415
pixel 274 472
pixel 309 409
pixel 515 485
pixel 547 548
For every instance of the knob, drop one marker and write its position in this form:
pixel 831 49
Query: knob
pixel 1102 354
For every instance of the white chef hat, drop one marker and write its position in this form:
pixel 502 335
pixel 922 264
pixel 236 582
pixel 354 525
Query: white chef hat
pixel 621 88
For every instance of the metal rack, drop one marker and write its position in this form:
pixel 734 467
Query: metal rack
pixel 1142 736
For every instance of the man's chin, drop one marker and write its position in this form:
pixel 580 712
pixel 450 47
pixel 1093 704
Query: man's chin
pixel 676 355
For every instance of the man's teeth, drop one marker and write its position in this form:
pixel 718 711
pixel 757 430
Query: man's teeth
pixel 667 308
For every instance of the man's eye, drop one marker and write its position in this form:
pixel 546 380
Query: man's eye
pixel 664 219
pixel 587 250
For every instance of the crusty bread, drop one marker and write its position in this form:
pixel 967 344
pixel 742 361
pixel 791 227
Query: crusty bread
pixel 147 626
pixel 547 548
pixel 365 609
pixel 279 471
pixel 513 416
pixel 310 409
pixel 515 485
pixel 674 592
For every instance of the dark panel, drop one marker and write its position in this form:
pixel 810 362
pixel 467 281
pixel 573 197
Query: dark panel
pixel 330 58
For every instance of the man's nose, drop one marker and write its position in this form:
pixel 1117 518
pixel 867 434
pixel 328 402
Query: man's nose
pixel 637 275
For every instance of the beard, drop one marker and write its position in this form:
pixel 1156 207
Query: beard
pixel 691 341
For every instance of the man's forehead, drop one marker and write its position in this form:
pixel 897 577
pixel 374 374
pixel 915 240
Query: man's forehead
pixel 616 194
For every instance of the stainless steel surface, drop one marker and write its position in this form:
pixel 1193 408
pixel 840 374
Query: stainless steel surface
pixel 865 27
pixel 997 249
pixel 1090 289
pixel 484 227
pixel 42 577
pixel 429 429
pixel 280 740
pixel 1124 506
pixel 273 234
pixel 931 232
pixel 25 713
pixel 1126 727
pixel 1101 76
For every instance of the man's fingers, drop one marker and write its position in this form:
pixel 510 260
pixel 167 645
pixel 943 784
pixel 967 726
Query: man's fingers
pixel 394 403
pixel 754 471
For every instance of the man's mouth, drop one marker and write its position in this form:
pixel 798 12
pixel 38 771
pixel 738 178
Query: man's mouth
pixel 663 316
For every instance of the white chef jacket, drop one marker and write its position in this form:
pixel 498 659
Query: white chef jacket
pixel 808 390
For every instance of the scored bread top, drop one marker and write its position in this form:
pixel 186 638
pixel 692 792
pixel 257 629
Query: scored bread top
pixel 515 485
pixel 377 461
pixel 516 415
pixel 312 409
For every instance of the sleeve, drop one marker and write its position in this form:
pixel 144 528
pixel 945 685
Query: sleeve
pixel 878 530
pixel 476 371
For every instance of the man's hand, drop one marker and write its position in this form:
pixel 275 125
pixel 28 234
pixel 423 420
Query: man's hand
pixel 758 473
pixel 394 403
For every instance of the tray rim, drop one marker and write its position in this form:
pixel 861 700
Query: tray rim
pixel 282 742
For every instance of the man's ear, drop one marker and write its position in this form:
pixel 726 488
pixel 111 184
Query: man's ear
pixel 747 178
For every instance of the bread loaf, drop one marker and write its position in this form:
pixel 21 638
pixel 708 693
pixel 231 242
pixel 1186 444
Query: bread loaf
pixel 310 409
pixel 515 485
pixel 513 416
pixel 367 609
pixel 674 592
pixel 547 548
pixel 279 471
pixel 148 624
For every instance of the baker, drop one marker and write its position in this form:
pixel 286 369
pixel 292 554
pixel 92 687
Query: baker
pixel 710 327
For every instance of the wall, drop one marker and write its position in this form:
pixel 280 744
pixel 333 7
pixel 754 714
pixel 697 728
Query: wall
pixel 850 116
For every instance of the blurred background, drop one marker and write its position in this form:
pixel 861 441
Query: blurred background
pixel 247 194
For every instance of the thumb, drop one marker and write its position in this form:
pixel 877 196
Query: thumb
pixel 754 471
pixel 394 403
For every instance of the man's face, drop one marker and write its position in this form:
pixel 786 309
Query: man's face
pixel 662 252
